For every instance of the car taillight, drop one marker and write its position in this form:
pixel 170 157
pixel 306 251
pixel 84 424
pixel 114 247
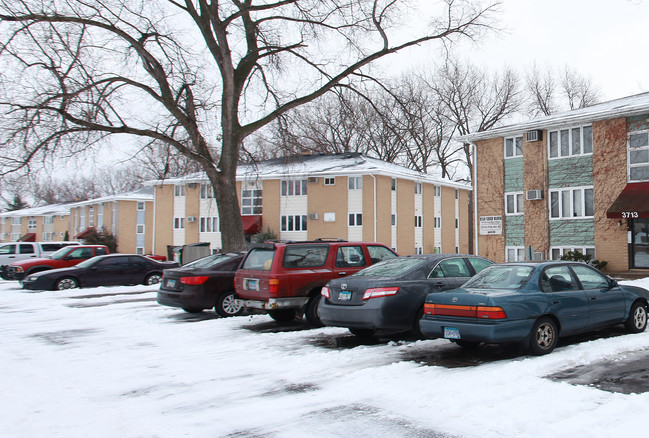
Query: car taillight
pixel 325 292
pixel 193 280
pixel 273 286
pixel 481 312
pixel 380 292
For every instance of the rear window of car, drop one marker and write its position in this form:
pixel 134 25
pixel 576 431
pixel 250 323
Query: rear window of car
pixel 259 259
pixel 391 268
pixel 53 246
pixel 209 261
pixel 305 256
pixel 500 277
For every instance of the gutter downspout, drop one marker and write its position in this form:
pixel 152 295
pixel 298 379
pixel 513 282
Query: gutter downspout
pixel 374 200
pixel 476 224
pixel 155 196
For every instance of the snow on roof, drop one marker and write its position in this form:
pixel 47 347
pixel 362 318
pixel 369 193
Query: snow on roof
pixel 624 107
pixel 141 194
pixel 300 166
pixel 46 210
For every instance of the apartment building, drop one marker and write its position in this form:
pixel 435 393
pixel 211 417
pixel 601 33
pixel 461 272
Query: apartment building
pixel 48 223
pixel 573 181
pixel 349 196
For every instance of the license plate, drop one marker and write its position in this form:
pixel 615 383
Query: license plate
pixel 344 295
pixel 451 333
pixel 171 283
pixel 251 284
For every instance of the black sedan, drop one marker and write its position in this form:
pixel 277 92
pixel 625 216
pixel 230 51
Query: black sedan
pixel 202 284
pixel 388 297
pixel 107 270
pixel 533 304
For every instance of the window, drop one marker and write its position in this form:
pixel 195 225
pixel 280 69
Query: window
pixel 47 220
pixel 210 225
pixel 140 206
pixel 457 223
pixel 570 142
pixel 179 190
pixel 330 181
pixel 8 249
pixel 139 250
pixel 294 187
pixel 179 223
pixel 378 253
pixel 418 188
pixel 350 256
pixel 515 253
pixel 557 252
pixel 91 216
pixel 26 248
pixel 355 182
pixel 393 219
pixel 457 194
pixel 638 156
pixel 139 229
pixel 355 219
pixel 514 147
pixel 558 279
pixel 293 222
pixel 479 264
pixel 438 191
pixel 455 267
pixel 589 278
pixel 419 250
pixel 251 201
pixel 207 191
pixel 305 256
pixel 31 224
pixel 15 221
pixel 393 184
pixel 438 222
pixel 571 203
pixel 418 221
pixel 514 203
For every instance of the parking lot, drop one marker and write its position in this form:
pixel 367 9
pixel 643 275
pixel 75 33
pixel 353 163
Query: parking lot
pixel 109 362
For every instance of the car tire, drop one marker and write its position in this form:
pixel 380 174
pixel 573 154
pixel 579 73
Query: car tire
pixel 637 321
pixel 282 315
pixel 361 332
pixel 226 305
pixel 543 337
pixel 66 283
pixel 152 279
pixel 311 311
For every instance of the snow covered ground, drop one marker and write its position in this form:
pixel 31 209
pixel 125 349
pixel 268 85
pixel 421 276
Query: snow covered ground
pixel 111 362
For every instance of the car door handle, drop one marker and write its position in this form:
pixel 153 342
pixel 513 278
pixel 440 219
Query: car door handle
pixel 593 298
pixel 556 302
pixel 342 274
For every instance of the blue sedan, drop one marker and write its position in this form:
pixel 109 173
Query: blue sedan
pixel 533 303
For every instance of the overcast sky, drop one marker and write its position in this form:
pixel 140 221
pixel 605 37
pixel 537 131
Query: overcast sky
pixel 605 39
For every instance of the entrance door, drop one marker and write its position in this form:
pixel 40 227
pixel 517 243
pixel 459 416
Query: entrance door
pixel 639 245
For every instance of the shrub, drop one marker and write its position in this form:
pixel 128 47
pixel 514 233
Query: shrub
pixel 585 258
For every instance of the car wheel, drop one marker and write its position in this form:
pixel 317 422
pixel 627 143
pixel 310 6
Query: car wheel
pixel 282 315
pixel 468 345
pixel 311 311
pixel 226 305
pixel 152 279
pixel 544 337
pixel 66 283
pixel 637 321
pixel 361 332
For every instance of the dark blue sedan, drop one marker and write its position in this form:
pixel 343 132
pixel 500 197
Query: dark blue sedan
pixel 533 303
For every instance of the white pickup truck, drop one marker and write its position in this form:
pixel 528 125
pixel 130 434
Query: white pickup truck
pixel 14 251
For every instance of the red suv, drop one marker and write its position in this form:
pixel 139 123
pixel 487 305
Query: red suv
pixel 63 258
pixel 285 279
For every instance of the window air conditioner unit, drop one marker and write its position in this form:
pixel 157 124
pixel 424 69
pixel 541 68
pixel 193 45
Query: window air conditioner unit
pixel 536 135
pixel 534 195
pixel 191 185
pixel 313 180
pixel 191 218
pixel 313 216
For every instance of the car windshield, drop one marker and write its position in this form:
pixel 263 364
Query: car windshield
pixel 88 263
pixel 209 261
pixel 391 267
pixel 500 277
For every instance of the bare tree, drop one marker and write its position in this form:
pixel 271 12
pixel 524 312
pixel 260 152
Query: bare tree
pixel 578 90
pixel 541 89
pixel 199 75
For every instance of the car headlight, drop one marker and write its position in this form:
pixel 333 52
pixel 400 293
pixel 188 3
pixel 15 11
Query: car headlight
pixel 19 269
pixel 32 278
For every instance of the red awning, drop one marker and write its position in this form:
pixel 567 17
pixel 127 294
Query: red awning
pixel 251 224
pixel 84 233
pixel 633 202
pixel 29 237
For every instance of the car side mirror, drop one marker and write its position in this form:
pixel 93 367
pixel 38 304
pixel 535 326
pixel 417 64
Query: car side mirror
pixel 612 283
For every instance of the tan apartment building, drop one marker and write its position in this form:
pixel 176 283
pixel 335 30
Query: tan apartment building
pixel 576 181
pixel 348 196
pixel 48 223
pixel 128 216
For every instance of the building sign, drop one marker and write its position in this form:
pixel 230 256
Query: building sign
pixel 491 225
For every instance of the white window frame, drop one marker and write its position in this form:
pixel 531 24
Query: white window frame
pixel 140 205
pixel 437 191
pixel 179 223
pixel 586 249
pixel 48 220
pixel 518 201
pixel 570 193
pixel 293 222
pixel 418 188
pixel 518 253
pixel 207 191
pixel 252 202
pixel 419 220
pixel 571 143
pixel 16 221
pixel 139 250
pixel 210 224
pixel 393 220
pixel 139 229
pixel 355 219
pixel 294 187
pixel 514 153
pixel 355 183
pixel 640 149
pixel 179 190
pixel 31 224
pixel 438 222
pixel 330 180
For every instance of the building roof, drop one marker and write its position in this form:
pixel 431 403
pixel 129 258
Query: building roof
pixel 301 166
pixel 46 210
pixel 624 107
pixel 141 194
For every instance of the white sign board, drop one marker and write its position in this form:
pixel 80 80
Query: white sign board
pixel 491 225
